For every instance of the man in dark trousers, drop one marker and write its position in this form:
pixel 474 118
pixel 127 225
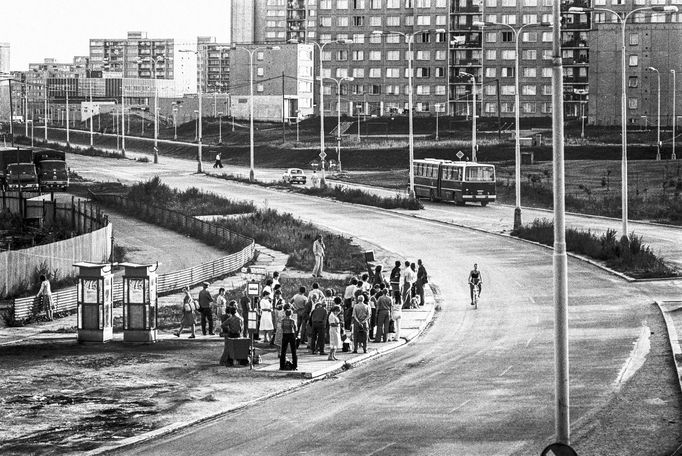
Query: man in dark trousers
pixel 318 322
pixel 205 300
pixel 383 316
pixel 232 329
pixel 422 280
pixel 395 278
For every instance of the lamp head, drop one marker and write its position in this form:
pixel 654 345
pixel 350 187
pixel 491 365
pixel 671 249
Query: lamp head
pixel 481 23
pixel 578 10
pixel 274 48
pixel 345 41
pixel 652 69
pixel 665 9
pixel 440 30
pixel 377 32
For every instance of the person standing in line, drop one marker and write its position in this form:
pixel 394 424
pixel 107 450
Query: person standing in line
pixel 221 306
pixel 298 303
pixel 218 160
pixel 378 277
pixel 409 279
pixel 316 292
pixel 275 279
pixel 395 277
pixel 360 324
pixel 188 307
pixel 245 304
pixel 334 332
pixel 318 322
pixel 232 328
pixel 289 331
pixel 396 316
pixel 205 300
pixel 266 326
pixel 383 316
pixel 348 296
pixel 318 251
pixel 422 280
pixel 45 294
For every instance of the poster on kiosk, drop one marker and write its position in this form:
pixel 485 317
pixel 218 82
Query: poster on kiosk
pixel 95 302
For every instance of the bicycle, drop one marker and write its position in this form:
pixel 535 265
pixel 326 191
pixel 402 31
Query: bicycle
pixel 476 293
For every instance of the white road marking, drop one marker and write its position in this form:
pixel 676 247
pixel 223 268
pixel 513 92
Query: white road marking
pixel 529 340
pixel 637 356
pixel 530 298
pixel 460 405
pixel 506 370
pixel 517 283
pixel 381 449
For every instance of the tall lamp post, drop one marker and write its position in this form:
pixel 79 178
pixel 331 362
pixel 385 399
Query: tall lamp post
pixel 220 127
pixel 409 37
pixel 517 108
pixel 68 136
pixel 155 61
pixel 674 157
pixel 320 48
pixel 199 133
pixel 658 113
pixel 251 143
pixel 623 18
pixel 338 82
pixel 474 146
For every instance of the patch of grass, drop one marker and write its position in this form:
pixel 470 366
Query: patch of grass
pixel 634 258
pixel 285 233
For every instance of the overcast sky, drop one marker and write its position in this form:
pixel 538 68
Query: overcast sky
pixel 37 29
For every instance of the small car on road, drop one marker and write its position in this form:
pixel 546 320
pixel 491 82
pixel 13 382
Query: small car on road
pixel 294 176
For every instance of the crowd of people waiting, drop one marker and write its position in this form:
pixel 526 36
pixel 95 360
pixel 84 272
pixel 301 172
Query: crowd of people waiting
pixel 368 309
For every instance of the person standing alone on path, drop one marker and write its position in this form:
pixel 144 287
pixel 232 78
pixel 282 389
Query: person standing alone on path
pixel 205 300
pixel 318 251
pixel 218 161
pixel 45 294
pixel 422 280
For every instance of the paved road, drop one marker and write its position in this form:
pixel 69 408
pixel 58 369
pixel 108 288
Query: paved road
pixel 479 382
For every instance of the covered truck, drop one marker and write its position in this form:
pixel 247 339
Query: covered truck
pixel 18 170
pixel 52 171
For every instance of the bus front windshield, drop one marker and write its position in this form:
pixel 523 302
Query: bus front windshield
pixel 480 174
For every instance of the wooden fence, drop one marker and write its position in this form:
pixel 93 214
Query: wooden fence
pixel 65 300
pixel 91 240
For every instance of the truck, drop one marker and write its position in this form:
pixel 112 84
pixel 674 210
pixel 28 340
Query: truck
pixel 52 171
pixel 18 170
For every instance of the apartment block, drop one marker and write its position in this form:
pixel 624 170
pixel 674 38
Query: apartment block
pixel 213 65
pixel 136 56
pixel 4 58
pixel 273 21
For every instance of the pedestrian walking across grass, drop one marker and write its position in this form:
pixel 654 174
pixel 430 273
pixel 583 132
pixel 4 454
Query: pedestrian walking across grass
pixel 189 305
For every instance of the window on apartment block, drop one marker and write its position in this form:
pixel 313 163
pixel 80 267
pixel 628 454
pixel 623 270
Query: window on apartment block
pixel 632 103
pixel 508 54
pixel 633 60
pixel 491 54
pixel 529 54
pixel 633 81
pixel 546 108
pixel 441 3
pixel 508 19
pixel 491 72
pixel 375 89
pixel 260 71
pixel 423 90
pixel 530 19
pixel 507 106
pixel 342 72
pixel 392 38
pixel 326 56
pixel 325 21
pixel 409 21
pixel 423 3
pixel 375 72
pixel 528 108
pixel 358 4
pixel 392 72
pixel 440 55
pixel 508 2
pixel 488 18
pixel 409 3
pixel 358 55
pixel 390 4
pixel 423 55
pixel 441 19
pixel 375 4
pixel 439 90
pixel 259 87
pixel 507 72
pixel 634 39
pixel 392 90
pixel 490 90
pixel 342 21
pixel 530 2
pixel 546 89
pixel 325 37
pixel 507 37
pixel 423 20
pixel 490 108
pixel 490 37
pixel 341 55
pixel 358 38
pixel 546 37
pixel 529 37
pixel 423 106
pixel 358 73
pixel 375 55
pixel 325 4
pixel 547 18
pixel 423 72
pixel 529 90
pixel 327 90
pixel 530 72
pixel 424 37
pixel 392 55
pixel 507 90
pixel 491 3
pixel 393 21
pixel 358 21
pixel 326 72
pixel 375 39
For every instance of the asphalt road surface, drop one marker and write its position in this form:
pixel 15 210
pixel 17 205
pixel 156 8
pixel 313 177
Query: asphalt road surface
pixel 479 381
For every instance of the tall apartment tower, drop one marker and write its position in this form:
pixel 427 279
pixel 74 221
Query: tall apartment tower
pixel 273 21
pixel 213 65
pixel 134 56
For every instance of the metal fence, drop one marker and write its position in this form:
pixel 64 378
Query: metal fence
pixel 65 300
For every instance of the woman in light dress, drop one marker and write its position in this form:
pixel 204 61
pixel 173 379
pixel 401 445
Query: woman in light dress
pixel 189 305
pixel 266 325
pixel 46 294
pixel 334 332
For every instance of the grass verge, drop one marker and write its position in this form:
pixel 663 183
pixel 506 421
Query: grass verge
pixel 634 259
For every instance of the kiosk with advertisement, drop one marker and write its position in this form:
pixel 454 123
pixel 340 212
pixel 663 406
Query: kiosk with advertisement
pixel 140 303
pixel 95 302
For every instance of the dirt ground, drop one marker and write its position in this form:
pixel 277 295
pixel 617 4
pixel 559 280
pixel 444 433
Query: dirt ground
pixel 59 396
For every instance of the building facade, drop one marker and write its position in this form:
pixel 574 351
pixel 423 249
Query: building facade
pixel 282 81
pixel 134 57
pixel 452 39
pixel 4 58
pixel 213 65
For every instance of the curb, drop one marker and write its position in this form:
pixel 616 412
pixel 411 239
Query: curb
pixel 673 340
pixel 315 377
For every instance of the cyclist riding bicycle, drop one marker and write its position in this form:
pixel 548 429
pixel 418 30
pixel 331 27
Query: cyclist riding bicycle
pixel 475 280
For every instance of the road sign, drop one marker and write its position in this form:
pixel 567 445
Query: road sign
pixel 459 155
pixel 323 155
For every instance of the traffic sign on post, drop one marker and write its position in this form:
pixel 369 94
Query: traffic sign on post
pixel 323 155
pixel 459 155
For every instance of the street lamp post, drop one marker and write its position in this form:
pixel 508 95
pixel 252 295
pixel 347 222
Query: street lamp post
pixel 474 146
pixel 92 116
pixel 674 157
pixel 45 87
pixel 320 48
pixel 196 124
pixel 517 109
pixel 199 133
pixel 623 102
pixel 155 61
pixel 658 114
pixel 338 118
pixel 251 141
pixel 409 37
pixel 220 127
pixel 68 137
pixel 437 105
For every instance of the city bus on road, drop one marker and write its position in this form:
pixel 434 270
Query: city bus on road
pixel 460 182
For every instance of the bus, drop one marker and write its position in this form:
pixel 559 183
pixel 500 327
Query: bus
pixel 461 182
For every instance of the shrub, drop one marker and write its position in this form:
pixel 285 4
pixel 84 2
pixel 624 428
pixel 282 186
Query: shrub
pixel 633 258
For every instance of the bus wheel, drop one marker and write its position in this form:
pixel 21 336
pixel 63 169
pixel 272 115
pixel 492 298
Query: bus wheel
pixel 460 203
pixel 484 203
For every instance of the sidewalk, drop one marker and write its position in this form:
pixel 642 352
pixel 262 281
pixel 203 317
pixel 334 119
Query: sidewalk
pixel 672 314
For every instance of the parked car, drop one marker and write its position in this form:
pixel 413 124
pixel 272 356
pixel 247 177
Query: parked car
pixel 294 176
